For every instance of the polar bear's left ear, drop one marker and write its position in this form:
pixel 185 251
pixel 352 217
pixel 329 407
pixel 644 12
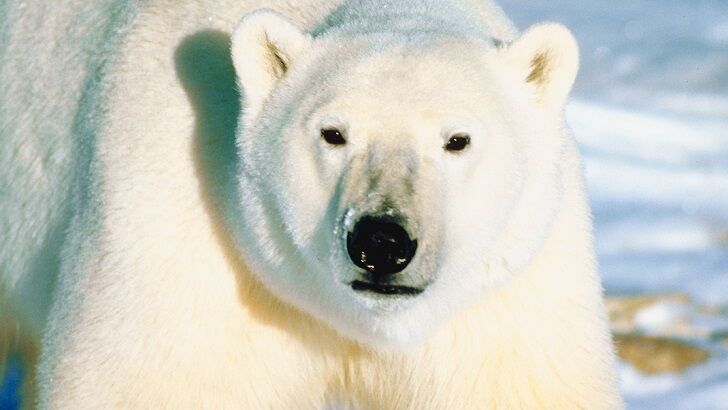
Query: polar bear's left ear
pixel 264 46
pixel 546 56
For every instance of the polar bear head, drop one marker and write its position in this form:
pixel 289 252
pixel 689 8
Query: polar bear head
pixel 387 181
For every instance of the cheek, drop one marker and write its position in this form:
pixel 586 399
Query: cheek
pixel 307 191
pixel 480 199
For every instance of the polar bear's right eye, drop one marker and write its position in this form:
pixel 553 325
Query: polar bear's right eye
pixel 333 136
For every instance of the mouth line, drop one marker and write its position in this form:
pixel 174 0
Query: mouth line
pixel 361 286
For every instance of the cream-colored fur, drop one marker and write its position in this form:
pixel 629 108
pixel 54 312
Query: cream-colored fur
pixel 117 179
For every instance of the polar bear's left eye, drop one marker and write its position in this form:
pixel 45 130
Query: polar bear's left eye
pixel 333 136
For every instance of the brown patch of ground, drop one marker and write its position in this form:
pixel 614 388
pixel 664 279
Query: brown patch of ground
pixel 622 309
pixel 654 354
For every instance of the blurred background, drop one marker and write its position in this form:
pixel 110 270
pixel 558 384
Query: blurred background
pixel 650 111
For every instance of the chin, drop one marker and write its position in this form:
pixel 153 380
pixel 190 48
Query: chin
pixel 385 317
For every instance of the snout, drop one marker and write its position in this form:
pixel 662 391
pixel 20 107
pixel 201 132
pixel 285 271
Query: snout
pixel 380 245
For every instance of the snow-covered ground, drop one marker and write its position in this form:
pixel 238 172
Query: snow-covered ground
pixel 651 115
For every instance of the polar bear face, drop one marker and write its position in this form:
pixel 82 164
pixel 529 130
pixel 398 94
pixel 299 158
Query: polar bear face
pixel 386 183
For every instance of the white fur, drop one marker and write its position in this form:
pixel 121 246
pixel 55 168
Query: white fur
pixel 190 274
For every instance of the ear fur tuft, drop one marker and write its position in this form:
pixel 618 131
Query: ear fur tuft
pixel 546 56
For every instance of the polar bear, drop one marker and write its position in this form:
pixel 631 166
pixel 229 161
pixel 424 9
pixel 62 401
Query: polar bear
pixel 357 203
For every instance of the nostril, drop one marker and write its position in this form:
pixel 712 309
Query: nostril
pixel 380 246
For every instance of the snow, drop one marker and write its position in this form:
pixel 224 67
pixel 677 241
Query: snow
pixel 659 191
pixel 650 112
pixel 651 115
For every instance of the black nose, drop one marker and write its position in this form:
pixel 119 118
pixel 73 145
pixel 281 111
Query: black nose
pixel 380 245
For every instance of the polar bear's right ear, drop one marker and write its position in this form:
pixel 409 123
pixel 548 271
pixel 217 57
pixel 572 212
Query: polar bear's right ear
pixel 264 46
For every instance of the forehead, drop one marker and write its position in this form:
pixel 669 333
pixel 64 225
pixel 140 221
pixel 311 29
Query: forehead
pixel 446 80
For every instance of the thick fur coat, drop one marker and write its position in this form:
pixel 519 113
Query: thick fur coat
pixel 174 226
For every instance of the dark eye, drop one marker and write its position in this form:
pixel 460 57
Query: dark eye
pixel 333 136
pixel 457 142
